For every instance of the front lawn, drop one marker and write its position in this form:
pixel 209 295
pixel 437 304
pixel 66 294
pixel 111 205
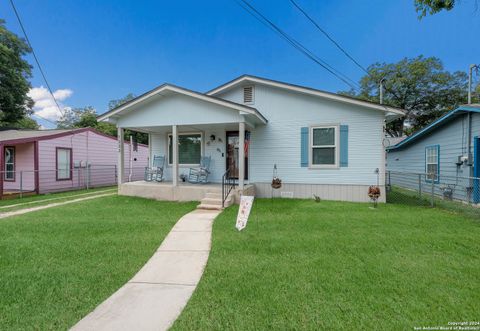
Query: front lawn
pixel 44 199
pixel 58 264
pixel 332 265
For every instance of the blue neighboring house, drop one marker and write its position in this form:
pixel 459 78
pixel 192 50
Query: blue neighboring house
pixel 446 150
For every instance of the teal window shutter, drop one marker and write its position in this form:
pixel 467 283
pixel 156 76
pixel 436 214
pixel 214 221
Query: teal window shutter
pixel 343 145
pixel 304 147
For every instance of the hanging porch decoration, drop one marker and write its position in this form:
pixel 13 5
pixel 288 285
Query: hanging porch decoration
pixel 276 182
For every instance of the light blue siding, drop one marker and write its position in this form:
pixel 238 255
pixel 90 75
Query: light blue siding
pixel 452 141
pixel 180 110
pixel 279 141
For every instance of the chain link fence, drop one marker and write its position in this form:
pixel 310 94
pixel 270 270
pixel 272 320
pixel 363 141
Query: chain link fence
pixel 450 192
pixel 17 184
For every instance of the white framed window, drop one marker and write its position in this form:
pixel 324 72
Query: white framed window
pixel 432 164
pixel 324 149
pixel 64 163
pixel 9 166
pixel 190 148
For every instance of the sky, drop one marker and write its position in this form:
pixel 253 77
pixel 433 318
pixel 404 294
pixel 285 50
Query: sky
pixel 96 51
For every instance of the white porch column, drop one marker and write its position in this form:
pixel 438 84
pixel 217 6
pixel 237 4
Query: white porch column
pixel 241 155
pixel 175 155
pixel 121 158
pixel 150 163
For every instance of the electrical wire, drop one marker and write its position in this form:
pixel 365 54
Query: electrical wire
pixel 45 119
pixel 329 37
pixel 339 46
pixel 35 56
pixel 296 44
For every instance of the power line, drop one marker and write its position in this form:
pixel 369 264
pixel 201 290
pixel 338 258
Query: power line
pixel 45 119
pixel 35 56
pixel 328 36
pixel 296 44
pixel 339 46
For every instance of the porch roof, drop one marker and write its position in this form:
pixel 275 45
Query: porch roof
pixel 20 136
pixel 134 108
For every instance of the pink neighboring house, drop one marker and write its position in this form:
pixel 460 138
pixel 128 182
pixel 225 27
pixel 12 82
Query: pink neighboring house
pixel 56 160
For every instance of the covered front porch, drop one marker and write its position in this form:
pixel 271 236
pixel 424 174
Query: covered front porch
pixel 184 128
pixel 181 192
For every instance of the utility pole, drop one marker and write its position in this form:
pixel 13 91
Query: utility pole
pixel 381 90
pixel 470 71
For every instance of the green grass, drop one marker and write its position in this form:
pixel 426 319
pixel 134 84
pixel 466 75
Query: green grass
pixel 58 264
pixel 400 195
pixel 36 200
pixel 301 265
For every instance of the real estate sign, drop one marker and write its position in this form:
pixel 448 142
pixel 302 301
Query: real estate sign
pixel 246 203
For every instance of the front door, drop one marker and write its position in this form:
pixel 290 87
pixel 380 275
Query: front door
pixel 232 153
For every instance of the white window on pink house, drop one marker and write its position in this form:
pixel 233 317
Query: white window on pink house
pixel 9 166
pixel 64 163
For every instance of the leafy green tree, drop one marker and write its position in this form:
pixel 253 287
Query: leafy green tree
pixel 137 136
pixel 15 105
pixel 424 7
pixel 419 85
pixel 84 118
pixel 87 117
pixel 27 123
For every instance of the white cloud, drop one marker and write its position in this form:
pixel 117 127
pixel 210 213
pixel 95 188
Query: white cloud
pixel 45 105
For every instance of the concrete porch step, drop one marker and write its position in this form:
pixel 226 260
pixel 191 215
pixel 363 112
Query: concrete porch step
pixel 213 202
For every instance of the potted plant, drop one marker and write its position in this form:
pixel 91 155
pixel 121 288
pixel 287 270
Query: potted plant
pixel 276 182
pixel 374 194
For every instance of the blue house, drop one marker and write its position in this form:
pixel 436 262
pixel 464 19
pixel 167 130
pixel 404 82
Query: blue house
pixel 252 129
pixel 444 154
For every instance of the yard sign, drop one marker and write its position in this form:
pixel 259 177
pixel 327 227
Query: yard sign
pixel 246 203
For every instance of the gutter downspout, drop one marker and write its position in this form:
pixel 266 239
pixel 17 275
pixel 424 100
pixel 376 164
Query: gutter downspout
pixel 130 161
pixel 470 157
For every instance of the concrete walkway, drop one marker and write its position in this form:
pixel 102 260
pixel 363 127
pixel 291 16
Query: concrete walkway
pixel 157 294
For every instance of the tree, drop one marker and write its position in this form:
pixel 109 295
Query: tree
pixel 118 102
pixel 419 85
pixel 424 7
pixel 77 118
pixel 27 123
pixel 84 118
pixel 137 136
pixel 87 117
pixel 15 105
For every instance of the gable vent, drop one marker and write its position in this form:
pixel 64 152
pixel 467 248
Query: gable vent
pixel 248 94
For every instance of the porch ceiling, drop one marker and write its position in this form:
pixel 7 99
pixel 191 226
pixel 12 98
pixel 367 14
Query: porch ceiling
pixel 190 128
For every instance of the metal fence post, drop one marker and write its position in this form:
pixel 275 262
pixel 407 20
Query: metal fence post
pixel 419 186
pixel 21 184
pixel 88 176
pixel 433 192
